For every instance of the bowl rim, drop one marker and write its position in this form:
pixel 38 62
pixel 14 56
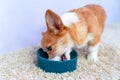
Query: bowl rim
pixel 38 55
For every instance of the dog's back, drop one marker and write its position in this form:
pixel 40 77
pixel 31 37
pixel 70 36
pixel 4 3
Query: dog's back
pixel 91 13
pixel 99 13
pixel 93 17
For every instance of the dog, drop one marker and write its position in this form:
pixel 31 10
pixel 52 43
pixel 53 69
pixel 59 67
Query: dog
pixel 74 29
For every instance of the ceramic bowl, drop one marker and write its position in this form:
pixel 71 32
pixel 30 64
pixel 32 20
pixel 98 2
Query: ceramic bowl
pixel 56 66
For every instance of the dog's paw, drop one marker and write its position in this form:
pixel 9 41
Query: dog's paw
pixel 93 58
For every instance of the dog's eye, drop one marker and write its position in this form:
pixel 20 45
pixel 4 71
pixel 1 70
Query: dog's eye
pixel 49 48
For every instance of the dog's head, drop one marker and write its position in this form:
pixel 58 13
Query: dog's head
pixel 56 39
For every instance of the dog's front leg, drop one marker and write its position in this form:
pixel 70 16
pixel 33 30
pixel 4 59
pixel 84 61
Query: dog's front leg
pixel 67 54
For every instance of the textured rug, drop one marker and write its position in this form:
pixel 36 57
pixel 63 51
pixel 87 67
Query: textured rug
pixel 21 64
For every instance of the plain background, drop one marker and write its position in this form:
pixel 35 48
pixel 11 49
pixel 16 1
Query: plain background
pixel 22 21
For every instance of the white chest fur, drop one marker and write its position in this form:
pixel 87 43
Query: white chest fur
pixel 68 18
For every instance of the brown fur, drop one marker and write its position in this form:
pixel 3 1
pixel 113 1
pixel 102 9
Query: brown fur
pixel 91 20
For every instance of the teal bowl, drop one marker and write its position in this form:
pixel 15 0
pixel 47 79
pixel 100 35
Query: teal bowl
pixel 56 66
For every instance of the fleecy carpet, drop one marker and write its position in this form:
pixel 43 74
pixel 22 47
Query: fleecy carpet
pixel 20 64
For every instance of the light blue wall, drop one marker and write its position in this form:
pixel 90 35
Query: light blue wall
pixel 22 21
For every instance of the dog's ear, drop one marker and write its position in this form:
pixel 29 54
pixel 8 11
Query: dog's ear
pixel 53 22
pixel 43 33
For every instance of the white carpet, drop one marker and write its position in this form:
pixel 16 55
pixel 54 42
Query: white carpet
pixel 20 65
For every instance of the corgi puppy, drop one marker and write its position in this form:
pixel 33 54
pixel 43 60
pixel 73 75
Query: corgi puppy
pixel 74 29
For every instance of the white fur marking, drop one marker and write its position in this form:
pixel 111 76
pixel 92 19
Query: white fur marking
pixel 67 54
pixel 93 53
pixel 68 18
